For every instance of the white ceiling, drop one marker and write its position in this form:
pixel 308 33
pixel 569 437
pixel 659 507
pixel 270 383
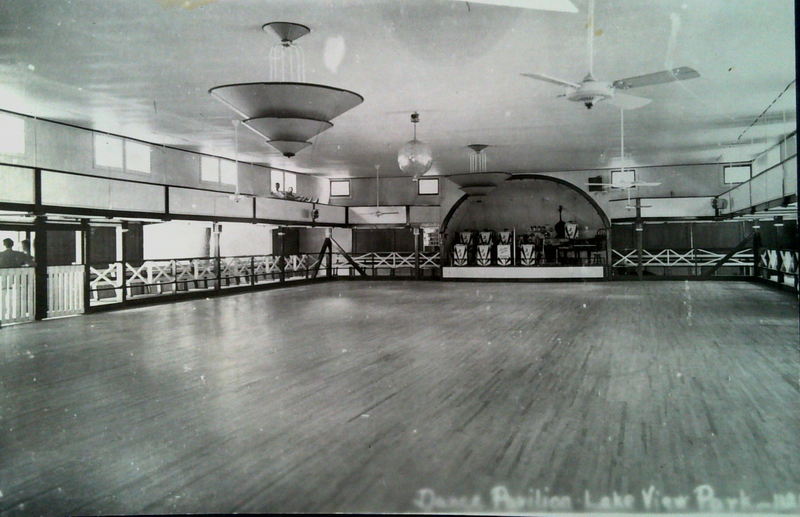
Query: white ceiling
pixel 142 68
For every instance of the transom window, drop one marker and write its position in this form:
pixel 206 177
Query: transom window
pixel 12 134
pixel 340 188
pixel 736 173
pixel 117 153
pixel 283 181
pixel 428 186
pixel 623 176
pixel 216 170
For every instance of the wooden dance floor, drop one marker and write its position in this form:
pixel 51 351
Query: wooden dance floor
pixel 408 396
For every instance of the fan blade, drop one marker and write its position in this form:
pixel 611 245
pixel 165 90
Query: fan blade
pixel 666 76
pixel 628 102
pixel 553 80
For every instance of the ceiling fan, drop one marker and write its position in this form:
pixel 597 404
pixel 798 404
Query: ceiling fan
pixel 590 91
pixel 378 212
pixel 625 185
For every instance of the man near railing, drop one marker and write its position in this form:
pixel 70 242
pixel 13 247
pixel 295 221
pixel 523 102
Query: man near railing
pixel 11 258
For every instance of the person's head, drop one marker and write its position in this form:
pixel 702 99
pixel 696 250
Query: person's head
pixel 290 190
pixel 26 245
pixel 277 186
pixel 8 243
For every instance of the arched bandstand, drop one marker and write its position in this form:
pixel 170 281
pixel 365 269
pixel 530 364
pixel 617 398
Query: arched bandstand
pixel 528 207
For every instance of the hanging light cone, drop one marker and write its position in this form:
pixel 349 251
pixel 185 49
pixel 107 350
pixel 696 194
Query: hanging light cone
pixel 286 128
pixel 287 31
pixel 286 111
pixel 289 148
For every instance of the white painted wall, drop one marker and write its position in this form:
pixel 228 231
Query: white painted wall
pixel 176 239
pixel 245 239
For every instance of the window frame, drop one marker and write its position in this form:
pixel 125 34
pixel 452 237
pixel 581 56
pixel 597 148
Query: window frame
pixel 124 154
pixel 95 148
pixel 22 136
pixel 285 183
pixel 419 182
pixel 235 170
pixel 342 181
pixel 622 171
pixel 272 174
pixel 736 165
pixel 148 148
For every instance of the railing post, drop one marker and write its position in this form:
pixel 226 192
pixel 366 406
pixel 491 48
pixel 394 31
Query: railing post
pixel 252 271
pixel 756 249
pixel 40 270
pixel 329 260
pixel 217 229
pixel 86 233
pixel 174 271
pixel 122 279
pixel 639 239
pixel 416 253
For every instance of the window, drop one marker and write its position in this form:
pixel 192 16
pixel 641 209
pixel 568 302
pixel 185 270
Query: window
pixel 594 184
pixel 290 182
pixel 228 174
pixel 137 157
pixel 209 169
pixel 623 177
pixel 115 153
pixel 340 188
pixel 276 181
pixel 214 170
pixel 736 173
pixel 12 134
pixel 428 186
pixel 108 151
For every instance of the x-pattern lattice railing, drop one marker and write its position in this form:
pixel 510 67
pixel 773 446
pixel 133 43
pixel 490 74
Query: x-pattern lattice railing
pixel 388 260
pixel 785 261
pixel 679 258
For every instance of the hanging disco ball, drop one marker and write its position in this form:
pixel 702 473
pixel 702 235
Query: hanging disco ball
pixel 415 158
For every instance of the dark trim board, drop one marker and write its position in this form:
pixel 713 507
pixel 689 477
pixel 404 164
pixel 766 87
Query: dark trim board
pixel 774 285
pixel 524 280
pixel 692 278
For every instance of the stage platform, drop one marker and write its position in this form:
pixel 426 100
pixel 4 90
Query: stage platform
pixel 521 273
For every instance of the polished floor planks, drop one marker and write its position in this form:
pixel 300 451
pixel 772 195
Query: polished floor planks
pixel 352 396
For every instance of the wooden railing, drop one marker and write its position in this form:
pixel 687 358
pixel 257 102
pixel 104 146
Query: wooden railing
pixel 390 263
pixel 64 290
pixel 692 261
pixel 17 295
pixel 115 282
pixel 779 265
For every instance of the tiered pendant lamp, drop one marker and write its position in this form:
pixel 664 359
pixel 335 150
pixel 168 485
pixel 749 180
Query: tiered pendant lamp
pixel 478 182
pixel 287 113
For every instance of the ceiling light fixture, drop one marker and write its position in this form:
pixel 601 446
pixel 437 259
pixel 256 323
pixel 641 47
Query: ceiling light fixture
pixel 287 111
pixel 477 182
pixel 415 157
